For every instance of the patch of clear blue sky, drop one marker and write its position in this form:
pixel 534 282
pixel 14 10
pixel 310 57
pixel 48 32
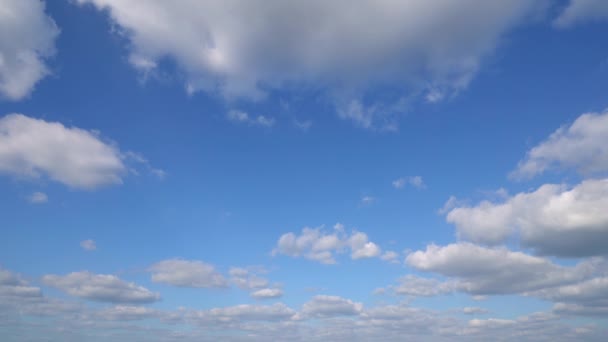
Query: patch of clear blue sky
pixel 272 181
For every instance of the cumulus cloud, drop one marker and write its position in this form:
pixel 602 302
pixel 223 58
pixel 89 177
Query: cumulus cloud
pixel 245 279
pixel 473 310
pixel 242 313
pixel 581 146
pixel 320 245
pixel 187 273
pixel 126 313
pixel 88 245
pixel 246 48
pixel 390 256
pixel 31 148
pixel 582 10
pixel 101 287
pixel 554 219
pixel 38 198
pixel 267 293
pixel 244 118
pixel 485 271
pixel 331 306
pixel 27 39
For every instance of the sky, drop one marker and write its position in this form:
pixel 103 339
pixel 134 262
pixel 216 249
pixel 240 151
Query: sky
pixel 304 170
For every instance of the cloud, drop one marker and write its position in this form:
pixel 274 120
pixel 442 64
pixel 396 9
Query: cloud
pixel 331 306
pixel 88 245
pixel 243 117
pixel 246 280
pixel 319 245
pixel 367 200
pixel 390 256
pixel 267 293
pixel 75 157
pixel 250 48
pixel 554 219
pixel 126 313
pixel 38 198
pixel 471 310
pixel 101 287
pixel 27 39
pixel 242 313
pixel 581 146
pixel 187 273
pixel 415 181
pixel 582 10
pixel 411 285
pixel 14 286
pixel 486 271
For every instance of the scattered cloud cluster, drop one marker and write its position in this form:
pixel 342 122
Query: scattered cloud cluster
pixel 27 40
pixel 248 280
pixel 238 116
pixel 320 245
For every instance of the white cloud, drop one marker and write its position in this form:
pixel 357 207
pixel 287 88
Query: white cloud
pixel 319 245
pixel 27 39
pixel 244 48
pixel 390 256
pixel 14 286
pixel 411 285
pixel 88 245
pixel 127 313
pixel 243 117
pixel 267 293
pixel 330 306
pixel 78 158
pixel 242 313
pixel 581 146
pixel 246 279
pixel 582 10
pixel 187 273
pixel 415 181
pixel 101 287
pixel 554 219
pixel 367 200
pixel 38 198
pixel 482 271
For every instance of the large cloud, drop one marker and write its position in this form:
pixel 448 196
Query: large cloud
pixel 320 245
pixel 243 48
pixel 554 219
pixel 27 38
pixel 581 146
pixel 187 273
pixel 78 158
pixel 582 10
pixel 101 287
pixel 484 271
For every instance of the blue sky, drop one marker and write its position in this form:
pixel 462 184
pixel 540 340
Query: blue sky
pixel 255 170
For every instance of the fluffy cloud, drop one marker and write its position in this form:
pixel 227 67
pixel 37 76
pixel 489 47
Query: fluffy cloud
pixel 187 273
pixel 581 145
pixel 246 279
pixel 472 310
pixel 101 287
pixel 78 158
pixel 244 48
pixel 483 271
pixel 318 245
pixel 554 219
pixel 330 306
pixel 27 38
pixel 267 293
pixel 582 10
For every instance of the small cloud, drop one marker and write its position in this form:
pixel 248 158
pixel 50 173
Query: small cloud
pixel 239 116
pixel 390 256
pixel 450 204
pixel 415 181
pixel 303 125
pixel 38 198
pixel 434 96
pixel 474 311
pixel 367 200
pixel 88 245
